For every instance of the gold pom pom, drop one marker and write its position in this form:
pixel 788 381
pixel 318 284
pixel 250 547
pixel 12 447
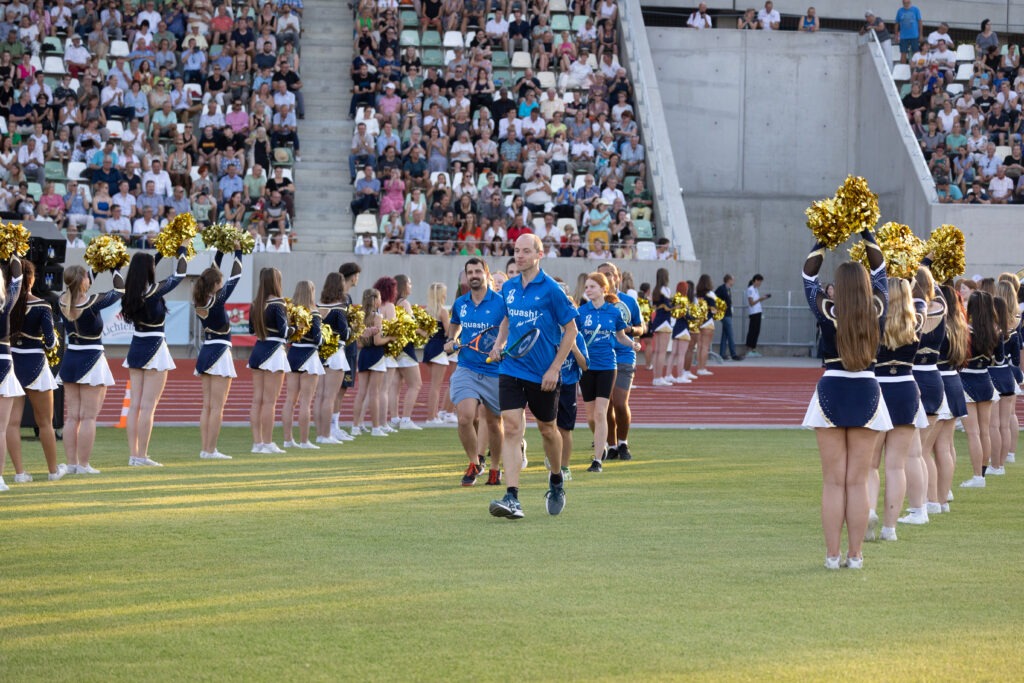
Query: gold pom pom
pixel 946 246
pixel 402 328
pixel 106 252
pixel 425 323
pixel 646 311
pixel 699 315
pixel 356 322
pixel 854 208
pixel 720 307
pixel 680 305
pixel 55 355
pixel 300 319
pixel 902 249
pixel 330 344
pixel 13 240
pixel 246 241
pixel 182 227
pixel 222 237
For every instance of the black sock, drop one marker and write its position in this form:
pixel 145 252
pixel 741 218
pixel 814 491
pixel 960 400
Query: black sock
pixel 556 479
pixel 513 491
pixel 984 468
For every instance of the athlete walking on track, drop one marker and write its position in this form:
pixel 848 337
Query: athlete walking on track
pixel 536 309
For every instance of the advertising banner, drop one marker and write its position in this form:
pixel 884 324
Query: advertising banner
pixel 117 331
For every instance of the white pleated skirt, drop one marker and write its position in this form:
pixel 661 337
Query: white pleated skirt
pixel 338 361
pixel 440 359
pixel 278 361
pixel 98 376
pixel 44 381
pixel 224 367
pixel 161 360
pixel 313 366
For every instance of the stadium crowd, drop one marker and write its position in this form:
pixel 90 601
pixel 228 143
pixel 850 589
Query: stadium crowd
pixel 478 123
pixel 117 116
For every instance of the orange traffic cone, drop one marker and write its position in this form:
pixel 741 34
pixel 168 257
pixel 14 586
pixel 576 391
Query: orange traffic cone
pixel 123 422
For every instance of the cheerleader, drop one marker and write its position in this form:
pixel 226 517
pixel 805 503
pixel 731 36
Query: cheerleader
pixel 350 272
pixel 661 324
pixel 408 368
pixel 984 338
pixel 268 361
pixel 84 371
pixel 681 343
pixel 434 355
pixel 306 368
pixel 847 410
pixel 387 287
pixel 333 306
pixel 1002 378
pixel 894 372
pixel 215 363
pixel 371 390
pixel 148 358
pixel 32 322
pixel 1013 353
pixel 952 356
pixel 600 321
pixel 705 292
pixel 9 387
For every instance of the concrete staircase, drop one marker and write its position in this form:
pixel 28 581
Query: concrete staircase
pixel 322 190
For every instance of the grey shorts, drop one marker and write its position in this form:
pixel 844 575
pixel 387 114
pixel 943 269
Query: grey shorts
pixel 468 384
pixel 624 377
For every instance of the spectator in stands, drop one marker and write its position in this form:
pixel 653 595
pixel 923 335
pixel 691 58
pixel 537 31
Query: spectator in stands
pixel 809 23
pixel 939 164
pixel 700 19
pixel 987 39
pixel 947 193
pixel 909 29
pixel 149 199
pixel 32 161
pixel 417 230
pixel 367 192
pixel 145 229
pixel 964 169
pixel 998 124
pixel 284 130
pixel 276 215
pixel 497 30
pixel 362 150
pixel 945 60
pixel 366 247
pixel 875 24
pixel 977 195
pixel 769 19
pixel 988 165
pixel 1000 187
pixel 748 20
pixel 633 157
pixel 915 104
pixel 941 34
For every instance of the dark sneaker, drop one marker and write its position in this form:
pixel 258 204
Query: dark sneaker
pixel 472 472
pixel 611 453
pixel 507 507
pixel 594 466
pixel 555 499
pixel 493 478
pixel 483 463
pixel 624 453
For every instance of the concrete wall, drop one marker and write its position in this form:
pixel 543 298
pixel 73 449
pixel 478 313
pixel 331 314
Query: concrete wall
pixel 964 12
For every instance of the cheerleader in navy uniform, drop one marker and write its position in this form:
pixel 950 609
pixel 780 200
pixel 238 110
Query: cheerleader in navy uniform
pixel 681 342
pixel 333 306
pixel 952 356
pixel 371 390
pixel 306 369
pixel 148 358
pixel 847 410
pixel 434 355
pixel 1003 381
pixel 387 287
pixel 408 368
pixel 268 360
pixel 215 363
pixel 9 387
pixel 84 371
pixel 350 271
pixel 706 292
pixel 894 372
pixel 1013 352
pixel 32 322
pixel 600 322
pixel 984 338
pixel 661 325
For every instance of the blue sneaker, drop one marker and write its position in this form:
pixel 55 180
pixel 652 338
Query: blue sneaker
pixel 555 499
pixel 508 507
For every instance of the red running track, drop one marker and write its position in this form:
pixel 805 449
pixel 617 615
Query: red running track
pixel 735 396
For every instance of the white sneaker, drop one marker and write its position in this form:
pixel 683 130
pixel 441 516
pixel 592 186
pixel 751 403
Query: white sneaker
pixel 973 483
pixel 451 418
pixel 1011 457
pixel 916 516
pixel 854 563
pixel 258 448
pixel 22 478
pixel 872 533
pixel 330 440
pixel 216 455
pixel 949 496
pixel 273 448
pixel 933 508
pixel 356 431
pixel 393 421
pixel 143 462
pixel 690 375
pixel 378 431
pixel 307 446
pixel 63 469
pixel 69 469
pixel 340 435
pixel 753 354
pixel 388 429
pixel 290 444
pixel 704 373
pixel 682 379
pixel 945 507
pixel 56 476
pixel 87 469
pixel 997 471
pixel 407 423
pixel 831 562
pixel 3 485
pixel 435 422
pixel 888 533
pixel 661 382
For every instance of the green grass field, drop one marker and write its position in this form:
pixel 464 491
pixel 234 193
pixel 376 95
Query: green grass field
pixel 701 559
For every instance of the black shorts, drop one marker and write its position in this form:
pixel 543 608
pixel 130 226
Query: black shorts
pixel 516 394
pixel 597 384
pixel 567 408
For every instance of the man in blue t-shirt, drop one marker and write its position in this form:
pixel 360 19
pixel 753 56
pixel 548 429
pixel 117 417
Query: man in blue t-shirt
pixel 619 417
pixel 909 28
pixel 475 381
pixel 533 301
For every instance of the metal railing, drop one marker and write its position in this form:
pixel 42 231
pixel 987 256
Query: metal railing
pixel 789 325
